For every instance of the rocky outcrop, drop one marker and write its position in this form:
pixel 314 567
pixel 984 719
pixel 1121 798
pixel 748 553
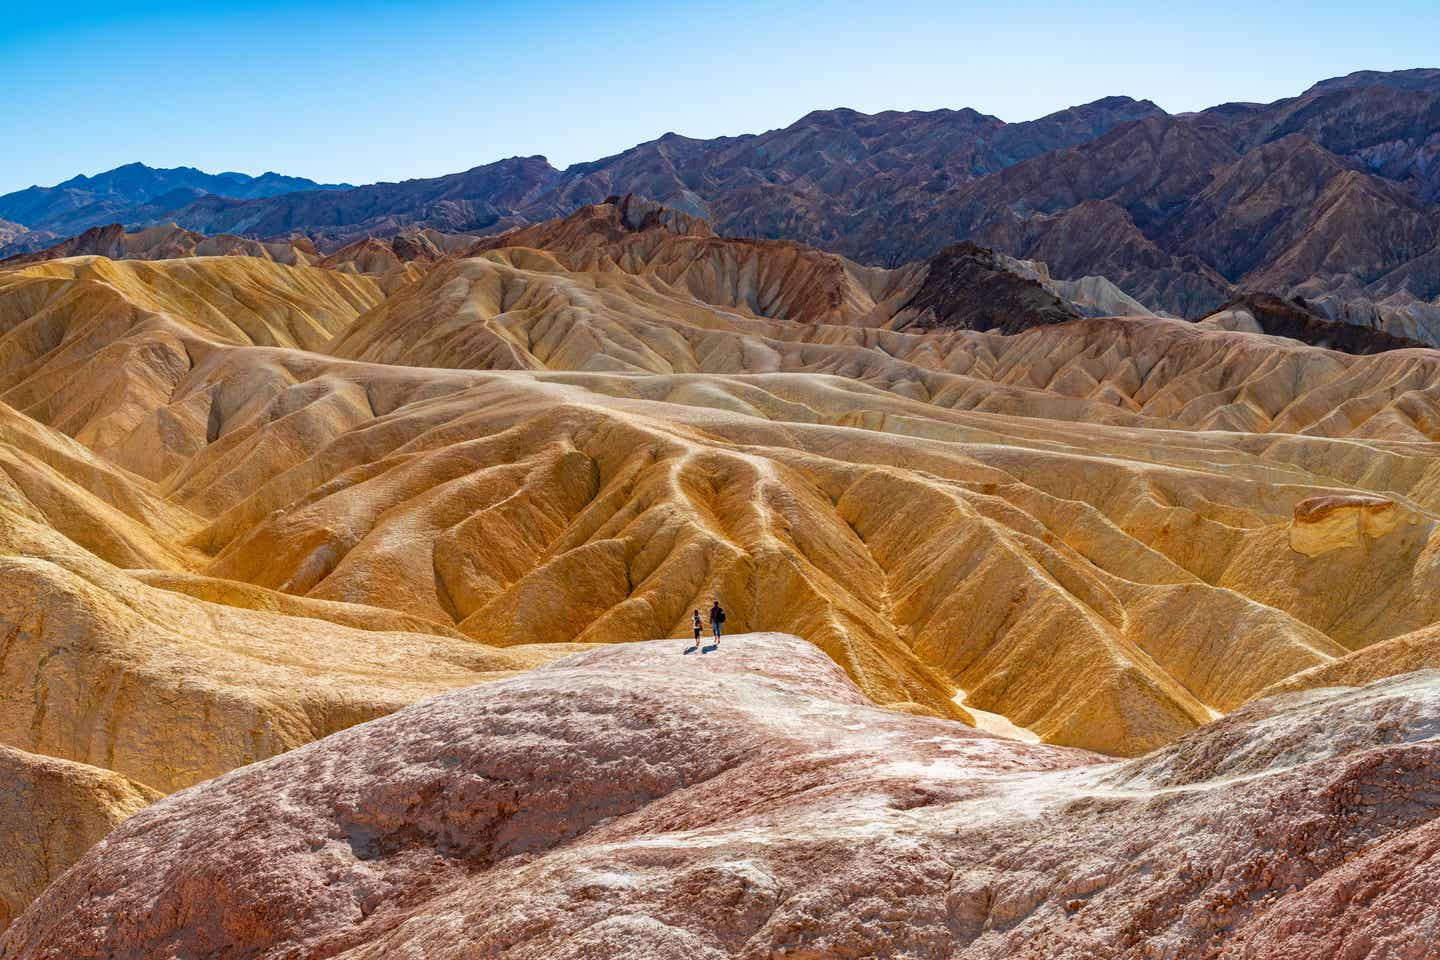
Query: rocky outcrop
pixel 51 812
pixel 970 288
pixel 1297 319
pixel 1335 522
pixel 745 801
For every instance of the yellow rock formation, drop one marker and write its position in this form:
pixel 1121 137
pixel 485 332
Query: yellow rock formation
pixel 1088 577
pixel 51 812
pixel 1337 521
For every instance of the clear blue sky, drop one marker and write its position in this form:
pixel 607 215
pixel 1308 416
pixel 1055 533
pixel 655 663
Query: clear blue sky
pixel 365 91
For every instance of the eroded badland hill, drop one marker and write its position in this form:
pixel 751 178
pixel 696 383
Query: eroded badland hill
pixel 1068 598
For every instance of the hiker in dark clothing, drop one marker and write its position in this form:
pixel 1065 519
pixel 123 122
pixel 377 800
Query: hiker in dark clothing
pixel 697 625
pixel 717 620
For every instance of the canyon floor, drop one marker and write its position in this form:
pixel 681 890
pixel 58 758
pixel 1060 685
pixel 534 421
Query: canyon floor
pixel 1108 627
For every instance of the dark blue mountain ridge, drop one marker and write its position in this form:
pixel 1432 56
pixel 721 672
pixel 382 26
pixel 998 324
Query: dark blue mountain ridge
pixel 116 195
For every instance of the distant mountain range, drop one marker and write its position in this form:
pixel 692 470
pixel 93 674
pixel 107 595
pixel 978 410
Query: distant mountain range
pixel 1333 195
pixel 133 193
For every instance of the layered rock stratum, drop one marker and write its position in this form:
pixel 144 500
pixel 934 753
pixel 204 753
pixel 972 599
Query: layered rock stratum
pixel 655 800
pixel 247 504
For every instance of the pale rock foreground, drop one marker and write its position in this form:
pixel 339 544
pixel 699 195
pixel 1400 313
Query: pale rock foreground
pixel 638 800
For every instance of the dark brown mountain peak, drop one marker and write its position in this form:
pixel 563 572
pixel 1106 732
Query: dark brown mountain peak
pixel 106 241
pixel 1296 319
pixel 970 287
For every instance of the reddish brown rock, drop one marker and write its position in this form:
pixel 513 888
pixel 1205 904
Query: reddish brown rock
pixel 639 801
pixel 968 287
pixel 1296 319
pixel 1316 509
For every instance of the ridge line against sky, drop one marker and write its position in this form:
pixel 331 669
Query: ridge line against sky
pixel 374 90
